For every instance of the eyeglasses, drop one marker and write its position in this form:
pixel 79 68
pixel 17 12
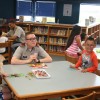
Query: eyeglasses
pixel 89 45
pixel 31 39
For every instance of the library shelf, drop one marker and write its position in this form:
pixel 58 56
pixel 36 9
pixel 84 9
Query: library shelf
pixel 53 37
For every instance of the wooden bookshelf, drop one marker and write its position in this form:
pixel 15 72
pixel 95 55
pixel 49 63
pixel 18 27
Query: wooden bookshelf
pixel 25 26
pixel 58 36
pixel 53 37
pixel 94 31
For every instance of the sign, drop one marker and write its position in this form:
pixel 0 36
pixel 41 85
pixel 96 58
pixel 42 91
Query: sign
pixel 67 10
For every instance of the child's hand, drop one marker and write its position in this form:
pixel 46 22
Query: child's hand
pixel 79 68
pixel 31 58
pixel 71 66
pixel 84 70
pixel 4 74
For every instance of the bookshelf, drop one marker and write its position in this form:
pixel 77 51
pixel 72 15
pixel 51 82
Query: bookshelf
pixel 25 26
pixel 58 36
pixel 41 32
pixel 94 31
pixel 53 37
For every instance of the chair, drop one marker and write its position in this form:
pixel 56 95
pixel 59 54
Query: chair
pixel 8 52
pixel 97 72
pixel 71 59
pixel 90 96
pixel 97 96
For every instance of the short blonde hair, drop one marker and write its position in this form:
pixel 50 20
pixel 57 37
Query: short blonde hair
pixel 28 33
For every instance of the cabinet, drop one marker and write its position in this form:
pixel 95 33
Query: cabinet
pixel 53 37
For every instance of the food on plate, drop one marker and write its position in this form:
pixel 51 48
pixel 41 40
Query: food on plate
pixel 41 73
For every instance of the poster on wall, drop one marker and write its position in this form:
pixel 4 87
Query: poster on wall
pixel 67 10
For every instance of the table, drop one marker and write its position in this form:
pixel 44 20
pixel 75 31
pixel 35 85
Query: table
pixel 64 81
pixel 98 54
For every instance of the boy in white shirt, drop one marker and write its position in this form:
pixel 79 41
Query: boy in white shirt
pixel 2 40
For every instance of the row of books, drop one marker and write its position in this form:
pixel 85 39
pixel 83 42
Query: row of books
pixel 56 49
pixel 40 30
pixel 44 30
pixel 61 32
pixel 44 46
pixel 42 39
pixel 26 29
pixel 53 48
pixel 61 41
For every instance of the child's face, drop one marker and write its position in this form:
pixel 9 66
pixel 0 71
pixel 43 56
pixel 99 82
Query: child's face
pixel 89 45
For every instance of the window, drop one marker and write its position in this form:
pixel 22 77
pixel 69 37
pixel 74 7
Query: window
pixel 45 9
pixel 87 10
pixel 24 8
pixel 37 10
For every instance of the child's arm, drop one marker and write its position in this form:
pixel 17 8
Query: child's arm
pixel 94 67
pixel 79 63
pixel 72 66
pixel 1 64
pixel 84 70
pixel 1 70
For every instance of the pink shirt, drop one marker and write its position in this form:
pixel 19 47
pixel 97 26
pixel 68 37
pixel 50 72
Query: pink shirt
pixel 73 49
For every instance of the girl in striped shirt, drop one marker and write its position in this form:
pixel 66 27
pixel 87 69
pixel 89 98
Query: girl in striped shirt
pixel 74 42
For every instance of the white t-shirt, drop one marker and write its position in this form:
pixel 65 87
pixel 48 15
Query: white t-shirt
pixel 3 40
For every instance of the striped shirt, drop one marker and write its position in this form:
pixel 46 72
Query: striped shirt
pixel 73 48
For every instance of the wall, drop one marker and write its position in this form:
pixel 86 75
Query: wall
pixel 67 19
pixel 75 10
pixel 7 8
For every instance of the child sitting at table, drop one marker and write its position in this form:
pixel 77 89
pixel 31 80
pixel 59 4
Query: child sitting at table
pixel 5 89
pixel 3 39
pixel 88 60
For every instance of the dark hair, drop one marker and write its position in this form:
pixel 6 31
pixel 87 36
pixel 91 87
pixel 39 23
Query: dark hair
pixel 0 32
pixel 11 21
pixel 75 31
pixel 83 35
pixel 91 39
